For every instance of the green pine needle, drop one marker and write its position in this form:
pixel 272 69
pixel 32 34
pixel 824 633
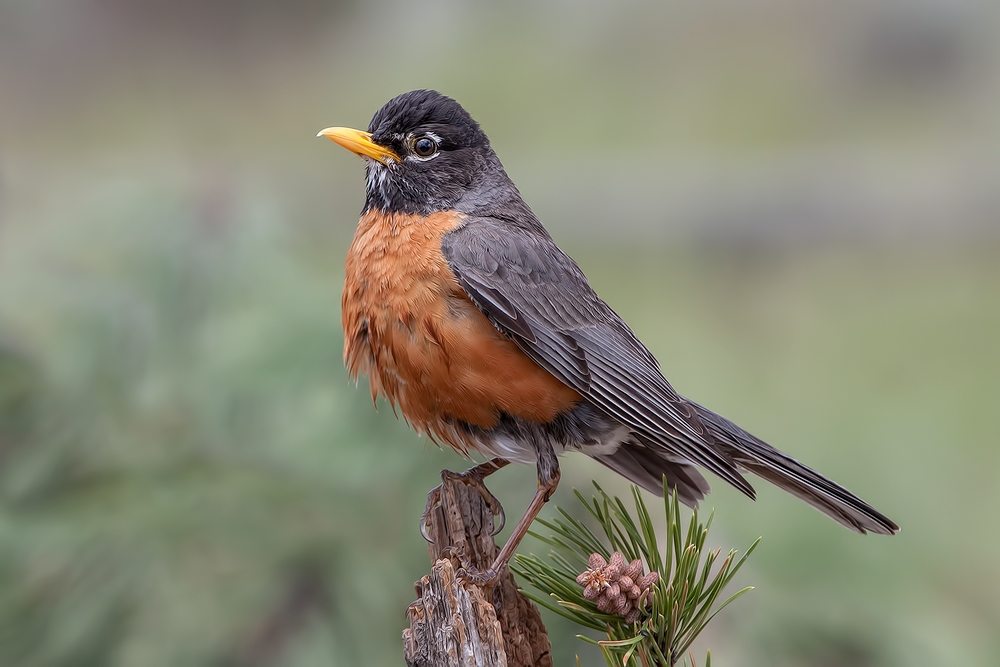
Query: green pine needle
pixel 680 605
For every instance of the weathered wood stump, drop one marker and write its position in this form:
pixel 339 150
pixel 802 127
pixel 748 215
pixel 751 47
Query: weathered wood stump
pixel 454 623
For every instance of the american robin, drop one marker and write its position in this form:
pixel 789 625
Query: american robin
pixel 465 314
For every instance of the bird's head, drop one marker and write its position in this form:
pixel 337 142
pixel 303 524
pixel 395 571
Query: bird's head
pixel 424 153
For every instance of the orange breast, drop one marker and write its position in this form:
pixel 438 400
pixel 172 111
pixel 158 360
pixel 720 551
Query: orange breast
pixel 424 345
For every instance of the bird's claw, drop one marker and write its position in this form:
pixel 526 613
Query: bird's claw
pixel 433 500
pixel 478 577
pixel 469 478
pixel 469 572
pixel 503 518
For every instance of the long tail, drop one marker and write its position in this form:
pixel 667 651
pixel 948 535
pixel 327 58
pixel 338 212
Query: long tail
pixel 760 458
pixel 642 461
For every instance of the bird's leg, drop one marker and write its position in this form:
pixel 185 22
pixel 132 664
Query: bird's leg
pixel 548 480
pixel 473 477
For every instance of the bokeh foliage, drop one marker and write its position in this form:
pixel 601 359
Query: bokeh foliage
pixel 187 476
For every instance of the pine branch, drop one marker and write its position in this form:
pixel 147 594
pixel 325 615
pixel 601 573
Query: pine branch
pixel 649 619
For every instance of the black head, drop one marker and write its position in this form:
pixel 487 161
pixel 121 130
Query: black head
pixel 424 153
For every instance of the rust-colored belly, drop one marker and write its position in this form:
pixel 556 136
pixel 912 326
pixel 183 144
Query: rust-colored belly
pixel 410 327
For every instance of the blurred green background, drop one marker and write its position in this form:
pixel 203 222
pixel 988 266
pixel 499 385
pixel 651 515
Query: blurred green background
pixel 795 203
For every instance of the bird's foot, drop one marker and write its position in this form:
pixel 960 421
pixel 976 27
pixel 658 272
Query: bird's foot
pixel 469 572
pixel 473 477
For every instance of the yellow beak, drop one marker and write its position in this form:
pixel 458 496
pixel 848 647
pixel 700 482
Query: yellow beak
pixel 359 142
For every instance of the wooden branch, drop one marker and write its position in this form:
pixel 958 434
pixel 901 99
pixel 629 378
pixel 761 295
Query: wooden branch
pixel 451 625
pixel 457 624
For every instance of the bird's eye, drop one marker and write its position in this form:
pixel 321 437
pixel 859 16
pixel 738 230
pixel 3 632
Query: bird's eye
pixel 424 147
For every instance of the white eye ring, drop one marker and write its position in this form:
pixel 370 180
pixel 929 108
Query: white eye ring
pixel 425 147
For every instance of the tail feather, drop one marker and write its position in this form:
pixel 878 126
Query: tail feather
pixel 760 458
pixel 644 466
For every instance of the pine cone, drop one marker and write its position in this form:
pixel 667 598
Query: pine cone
pixel 648 581
pixel 597 562
pixel 616 586
pixel 616 566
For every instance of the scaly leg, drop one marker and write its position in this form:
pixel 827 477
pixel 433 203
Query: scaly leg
pixel 548 480
pixel 473 477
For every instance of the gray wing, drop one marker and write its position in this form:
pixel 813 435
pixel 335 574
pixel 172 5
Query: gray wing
pixel 535 294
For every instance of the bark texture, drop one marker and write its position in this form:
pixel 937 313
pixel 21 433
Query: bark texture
pixel 454 623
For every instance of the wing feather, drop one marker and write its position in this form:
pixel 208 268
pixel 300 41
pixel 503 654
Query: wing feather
pixel 535 294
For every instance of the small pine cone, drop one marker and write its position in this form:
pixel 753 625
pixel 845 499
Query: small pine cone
pixel 584 577
pixel 604 603
pixel 622 605
pixel 592 591
pixel 649 580
pixel 634 592
pixel 614 590
pixel 634 570
pixel 632 616
pixel 597 562
pixel 625 582
pixel 616 566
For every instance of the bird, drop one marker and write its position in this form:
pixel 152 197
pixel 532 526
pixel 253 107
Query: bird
pixel 467 317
